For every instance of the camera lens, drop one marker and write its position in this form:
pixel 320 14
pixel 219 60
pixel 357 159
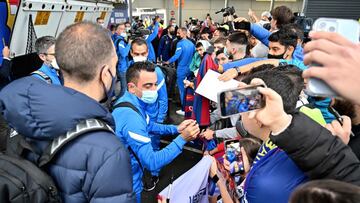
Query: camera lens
pixel 322 25
pixel 332 29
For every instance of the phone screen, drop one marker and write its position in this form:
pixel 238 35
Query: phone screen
pixel 234 156
pixel 240 100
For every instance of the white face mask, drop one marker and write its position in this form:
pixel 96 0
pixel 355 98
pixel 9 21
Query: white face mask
pixel 124 35
pixel 54 64
pixel 139 58
pixel 102 25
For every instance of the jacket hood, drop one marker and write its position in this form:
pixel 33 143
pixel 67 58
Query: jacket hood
pixel 38 110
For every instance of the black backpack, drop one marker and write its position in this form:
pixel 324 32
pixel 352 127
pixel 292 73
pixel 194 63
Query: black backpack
pixel 22 181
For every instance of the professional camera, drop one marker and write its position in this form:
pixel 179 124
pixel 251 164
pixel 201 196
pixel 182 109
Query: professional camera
pixel 226 11
pixel 304 23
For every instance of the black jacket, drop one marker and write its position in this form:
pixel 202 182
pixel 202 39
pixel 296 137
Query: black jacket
pixel 317 152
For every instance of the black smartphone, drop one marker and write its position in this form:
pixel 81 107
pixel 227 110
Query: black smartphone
pixel 241 25
pixel 240 100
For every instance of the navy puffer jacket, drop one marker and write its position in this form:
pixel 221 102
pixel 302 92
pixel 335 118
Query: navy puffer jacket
pixel 92 168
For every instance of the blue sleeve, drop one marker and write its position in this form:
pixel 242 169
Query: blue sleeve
pixel 177 53
pixel 161 46
pixel 161 129
pixel 298 53
pixel 136 135
pixel 163 97
pixel 294 62
pixel 123 49
pixel 260 33
pixel 153 35
pixel 241 62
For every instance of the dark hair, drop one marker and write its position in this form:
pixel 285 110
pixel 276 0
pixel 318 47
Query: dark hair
pixel 251 147
pixel 199 44
pixel 222 30
pixel 238 38
pixel 206 30
pixel 283 15
pixel 42 44
pixel 345 107
pixel 112 27
pixel 285 37
pixel 220 40
pixel 138 41
pixel 280 83
pixel 295 75
pixel 296 29
pixel 120 24
pixel 262 67
pixel 133 72
pixel 220 51
pixel 99 18
pixel 82 49
pixel 326 191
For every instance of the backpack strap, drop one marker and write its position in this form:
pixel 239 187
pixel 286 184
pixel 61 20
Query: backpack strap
pixel 128 105
pixel 85 126
pixel 131 106
pixel 43 75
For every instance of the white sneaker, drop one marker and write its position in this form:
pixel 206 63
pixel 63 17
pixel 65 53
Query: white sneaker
pixel 180 112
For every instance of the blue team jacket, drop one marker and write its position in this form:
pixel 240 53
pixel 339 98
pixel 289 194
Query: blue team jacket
pixel 184 52
pixel 122 51
pixel 149 39
pixel 51 72
pixel 133 130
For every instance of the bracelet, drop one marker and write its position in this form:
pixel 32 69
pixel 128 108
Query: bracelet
pixel 215 179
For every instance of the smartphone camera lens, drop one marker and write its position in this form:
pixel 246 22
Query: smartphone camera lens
pixel 322 25
pixel 332 29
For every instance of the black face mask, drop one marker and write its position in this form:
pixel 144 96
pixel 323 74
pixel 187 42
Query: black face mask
pixel 111 91
pixel 280 56
pixel 178 37
pixel 173 33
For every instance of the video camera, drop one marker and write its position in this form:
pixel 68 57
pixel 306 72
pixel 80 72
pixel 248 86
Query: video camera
pixel 139 33
pixel 304 23
pixel 226 11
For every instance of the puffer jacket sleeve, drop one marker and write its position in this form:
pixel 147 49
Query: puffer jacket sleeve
pixel 317 152
pixel 108 184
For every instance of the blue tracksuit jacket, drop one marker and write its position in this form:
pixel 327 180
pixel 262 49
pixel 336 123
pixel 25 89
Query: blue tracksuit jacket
pixel 51 72
pixel 133 130
pixel 149 39
pixel 122 51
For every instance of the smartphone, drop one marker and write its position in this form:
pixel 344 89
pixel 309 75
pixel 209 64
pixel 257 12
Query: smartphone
pixel 232 150
pixel 349 29
pixel 241 25
pixel 234 156
pixel 240 100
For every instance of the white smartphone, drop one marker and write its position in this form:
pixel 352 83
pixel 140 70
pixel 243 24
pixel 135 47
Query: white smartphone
pixel 349 29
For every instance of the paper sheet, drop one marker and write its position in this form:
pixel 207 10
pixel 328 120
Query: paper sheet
pixel 210 85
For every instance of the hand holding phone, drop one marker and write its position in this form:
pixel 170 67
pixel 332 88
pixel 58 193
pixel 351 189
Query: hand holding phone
pixel 240 100
pixel 350 29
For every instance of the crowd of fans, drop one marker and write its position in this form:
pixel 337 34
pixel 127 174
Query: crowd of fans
pixel 295 149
